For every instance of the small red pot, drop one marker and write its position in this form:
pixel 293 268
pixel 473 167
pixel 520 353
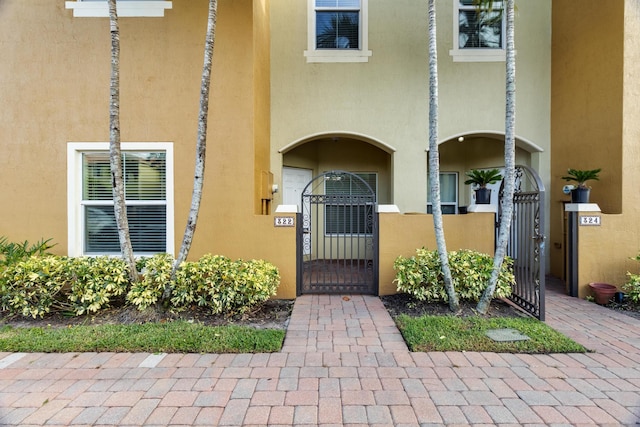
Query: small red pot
pixel 603 292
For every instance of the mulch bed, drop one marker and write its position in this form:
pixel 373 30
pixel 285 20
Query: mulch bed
pixel 275 313
pixel 406 304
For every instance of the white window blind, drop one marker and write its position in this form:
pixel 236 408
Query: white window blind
pixel 350 206
pixel 479 28
pixel 337 24
pixel 337 31
pixel 478 32
pixel 145 179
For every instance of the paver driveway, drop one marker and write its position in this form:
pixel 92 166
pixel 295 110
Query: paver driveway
pixel 343 363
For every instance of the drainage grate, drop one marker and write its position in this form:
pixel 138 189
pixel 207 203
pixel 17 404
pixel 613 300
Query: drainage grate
pixel 505 335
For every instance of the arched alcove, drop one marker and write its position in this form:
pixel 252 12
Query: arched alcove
pixel 337 151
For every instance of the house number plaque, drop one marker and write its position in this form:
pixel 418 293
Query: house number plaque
pixel 590 220
pixel 284 221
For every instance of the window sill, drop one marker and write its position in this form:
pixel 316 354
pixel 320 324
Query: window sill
pixel 337 55
pixel 478 55
pixel 95 9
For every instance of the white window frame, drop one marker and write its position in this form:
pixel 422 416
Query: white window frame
pixel 475 54
pixel 75 211
pixel 126 8
pixel 337 55
pixel 457 198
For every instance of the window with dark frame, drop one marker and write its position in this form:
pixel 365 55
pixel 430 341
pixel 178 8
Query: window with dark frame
pixel 480 28
pixel 337 24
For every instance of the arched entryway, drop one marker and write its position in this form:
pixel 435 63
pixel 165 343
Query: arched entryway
pixel 462 153
pixel 337 256
pixel 337 229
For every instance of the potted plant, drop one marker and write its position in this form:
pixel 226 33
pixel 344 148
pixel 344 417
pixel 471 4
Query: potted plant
pixel 580 193
pixel 603 292
pixel 480 178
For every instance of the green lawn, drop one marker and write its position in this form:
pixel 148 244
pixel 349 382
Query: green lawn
pixel 168 337
pixel 426 333
pixel 451 333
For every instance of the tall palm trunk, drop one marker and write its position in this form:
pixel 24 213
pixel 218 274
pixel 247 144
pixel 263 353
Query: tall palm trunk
pixel 434 160
pixel 509 161
pixel 115 155
pixel 201 144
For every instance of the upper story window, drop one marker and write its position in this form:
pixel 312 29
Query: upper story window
pixel 126 8
pixel 337 31
pixel 478 34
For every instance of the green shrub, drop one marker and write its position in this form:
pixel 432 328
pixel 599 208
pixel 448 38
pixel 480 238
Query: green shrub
pixel 42 284
pixel 421 275
pixel 632 287
pixel 12 252
pixel 156 273
pixel 200 282
pixel 95 282
pixel 32 288
pixel 223 285
pixel 39 285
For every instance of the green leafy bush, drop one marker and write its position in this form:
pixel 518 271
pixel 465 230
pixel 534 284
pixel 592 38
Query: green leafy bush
pixel 39 285
pixel 32 288
pixel 12 252
pixel 632 287
pixel 223 285
pixel 421 275
pixel 156 273
pixel 42 284
pixel 95 282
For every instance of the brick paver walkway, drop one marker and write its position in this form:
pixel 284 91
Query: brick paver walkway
pixel 343 363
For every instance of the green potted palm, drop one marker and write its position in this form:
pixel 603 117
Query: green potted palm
pixel 480 178
pixel 580 192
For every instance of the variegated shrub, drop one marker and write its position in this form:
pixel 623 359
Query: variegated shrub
pixel 421 275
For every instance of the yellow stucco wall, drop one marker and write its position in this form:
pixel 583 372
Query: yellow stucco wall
pixel 595 109
pixel 401 235
pixel 605 251
pixel 594 126
pixel 55 90
pixel 262 115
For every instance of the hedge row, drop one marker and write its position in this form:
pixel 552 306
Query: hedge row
pixel 39 285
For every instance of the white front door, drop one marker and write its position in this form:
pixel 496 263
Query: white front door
pixel 294 180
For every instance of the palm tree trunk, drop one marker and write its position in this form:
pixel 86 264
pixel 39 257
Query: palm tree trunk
pixel 201 145
pixel 434 161
pixel 509 161
pixel 115 154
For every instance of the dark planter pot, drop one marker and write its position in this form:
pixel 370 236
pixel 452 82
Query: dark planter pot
pixel 580 195
pixel 483 196
pixel 603 292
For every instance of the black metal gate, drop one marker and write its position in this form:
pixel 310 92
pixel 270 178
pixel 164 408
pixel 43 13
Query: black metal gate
pixel 526 241
pixel 337 236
